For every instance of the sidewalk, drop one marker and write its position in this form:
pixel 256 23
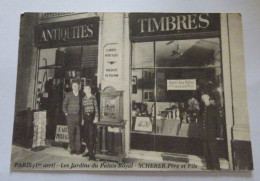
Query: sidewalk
pixel 56 158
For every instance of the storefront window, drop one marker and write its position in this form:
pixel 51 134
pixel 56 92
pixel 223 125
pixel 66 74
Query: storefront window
pixel 143 55
pixel 168 92
pixel 188 53
pixel 143 100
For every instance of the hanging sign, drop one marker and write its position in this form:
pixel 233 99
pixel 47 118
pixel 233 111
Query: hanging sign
pixel 112 62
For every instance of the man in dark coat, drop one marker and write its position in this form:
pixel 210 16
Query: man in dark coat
pixel 71 109
pixel 210 129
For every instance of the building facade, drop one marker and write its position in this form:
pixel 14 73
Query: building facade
pixel 161 62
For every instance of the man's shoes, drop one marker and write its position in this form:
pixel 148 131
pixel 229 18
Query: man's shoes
pixel 72 152
pixel 78 153
pixel 92 158
pixel 86 155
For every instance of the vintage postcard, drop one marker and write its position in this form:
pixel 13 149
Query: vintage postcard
pixel 131 91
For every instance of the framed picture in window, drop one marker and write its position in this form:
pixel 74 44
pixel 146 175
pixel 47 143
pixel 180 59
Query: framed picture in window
pixel 143 124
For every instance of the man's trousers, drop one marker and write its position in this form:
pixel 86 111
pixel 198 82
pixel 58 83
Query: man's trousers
pixel 74 132
pixel 210 152
pixel 90 133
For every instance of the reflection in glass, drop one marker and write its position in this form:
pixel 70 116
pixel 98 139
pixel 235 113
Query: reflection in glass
pixel 143 55
pixel 180 53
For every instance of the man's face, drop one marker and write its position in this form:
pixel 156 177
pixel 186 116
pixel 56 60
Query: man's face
pixel 75 87
pixel 87 90
pixel 205 99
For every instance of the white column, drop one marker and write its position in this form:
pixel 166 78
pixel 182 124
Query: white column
pixel 227 83
pixel 113 35
pixel 115 30
pixel 241 118
pixel 127 80
pixel 100 49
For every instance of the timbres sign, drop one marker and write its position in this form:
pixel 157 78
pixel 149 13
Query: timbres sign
pixel 150 25
pixel 67 33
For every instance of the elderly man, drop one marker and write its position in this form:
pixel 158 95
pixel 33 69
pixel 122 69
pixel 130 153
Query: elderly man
pixel 71 108
pixel 210 128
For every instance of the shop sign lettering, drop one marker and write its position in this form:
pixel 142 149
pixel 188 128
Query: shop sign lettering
pixel 153 26
pixel 62 134
pixel 170 23
pixel 76 32
pixel 112 63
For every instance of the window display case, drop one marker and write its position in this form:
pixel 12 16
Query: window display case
pixel 111 125
pixel 111 105
pixel 169 80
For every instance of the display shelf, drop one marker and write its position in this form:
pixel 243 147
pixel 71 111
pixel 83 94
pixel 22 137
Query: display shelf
pixel 51 67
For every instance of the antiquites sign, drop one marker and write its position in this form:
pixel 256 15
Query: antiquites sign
pixel 76 32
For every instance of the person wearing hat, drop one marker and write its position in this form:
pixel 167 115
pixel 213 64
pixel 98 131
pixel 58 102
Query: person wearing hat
pixel 71 109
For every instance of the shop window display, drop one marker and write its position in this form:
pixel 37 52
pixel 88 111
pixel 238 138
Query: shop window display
pixel 170 77
pixel 143 100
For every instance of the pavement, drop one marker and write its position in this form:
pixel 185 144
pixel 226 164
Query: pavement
pixel 58 158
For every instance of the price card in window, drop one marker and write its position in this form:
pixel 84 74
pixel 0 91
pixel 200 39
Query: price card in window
pixel 181 84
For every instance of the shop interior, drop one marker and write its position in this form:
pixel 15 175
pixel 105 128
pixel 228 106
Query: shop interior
pixel 162 114
pixel 58 67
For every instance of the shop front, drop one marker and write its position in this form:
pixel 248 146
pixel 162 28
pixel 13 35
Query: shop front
pixel 161 63
pixel 176 58
pixel 67 51
pixel 148 72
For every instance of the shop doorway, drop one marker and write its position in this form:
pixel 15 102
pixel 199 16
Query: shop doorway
pixel 168 79
pixel 58 67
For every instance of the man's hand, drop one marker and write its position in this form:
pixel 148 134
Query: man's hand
pixel 66 114
pixel 95 120
pixel 82 122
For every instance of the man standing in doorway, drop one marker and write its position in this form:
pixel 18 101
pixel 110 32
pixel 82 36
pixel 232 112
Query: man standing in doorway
pixel 71 108
pixel 210 128
pixel 90 116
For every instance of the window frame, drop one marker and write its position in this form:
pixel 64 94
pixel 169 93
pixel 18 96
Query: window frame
pixel 155 68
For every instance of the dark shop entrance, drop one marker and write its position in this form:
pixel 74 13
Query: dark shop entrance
pixel 68 51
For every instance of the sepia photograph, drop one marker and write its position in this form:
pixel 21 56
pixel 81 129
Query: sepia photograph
pixel 131 92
